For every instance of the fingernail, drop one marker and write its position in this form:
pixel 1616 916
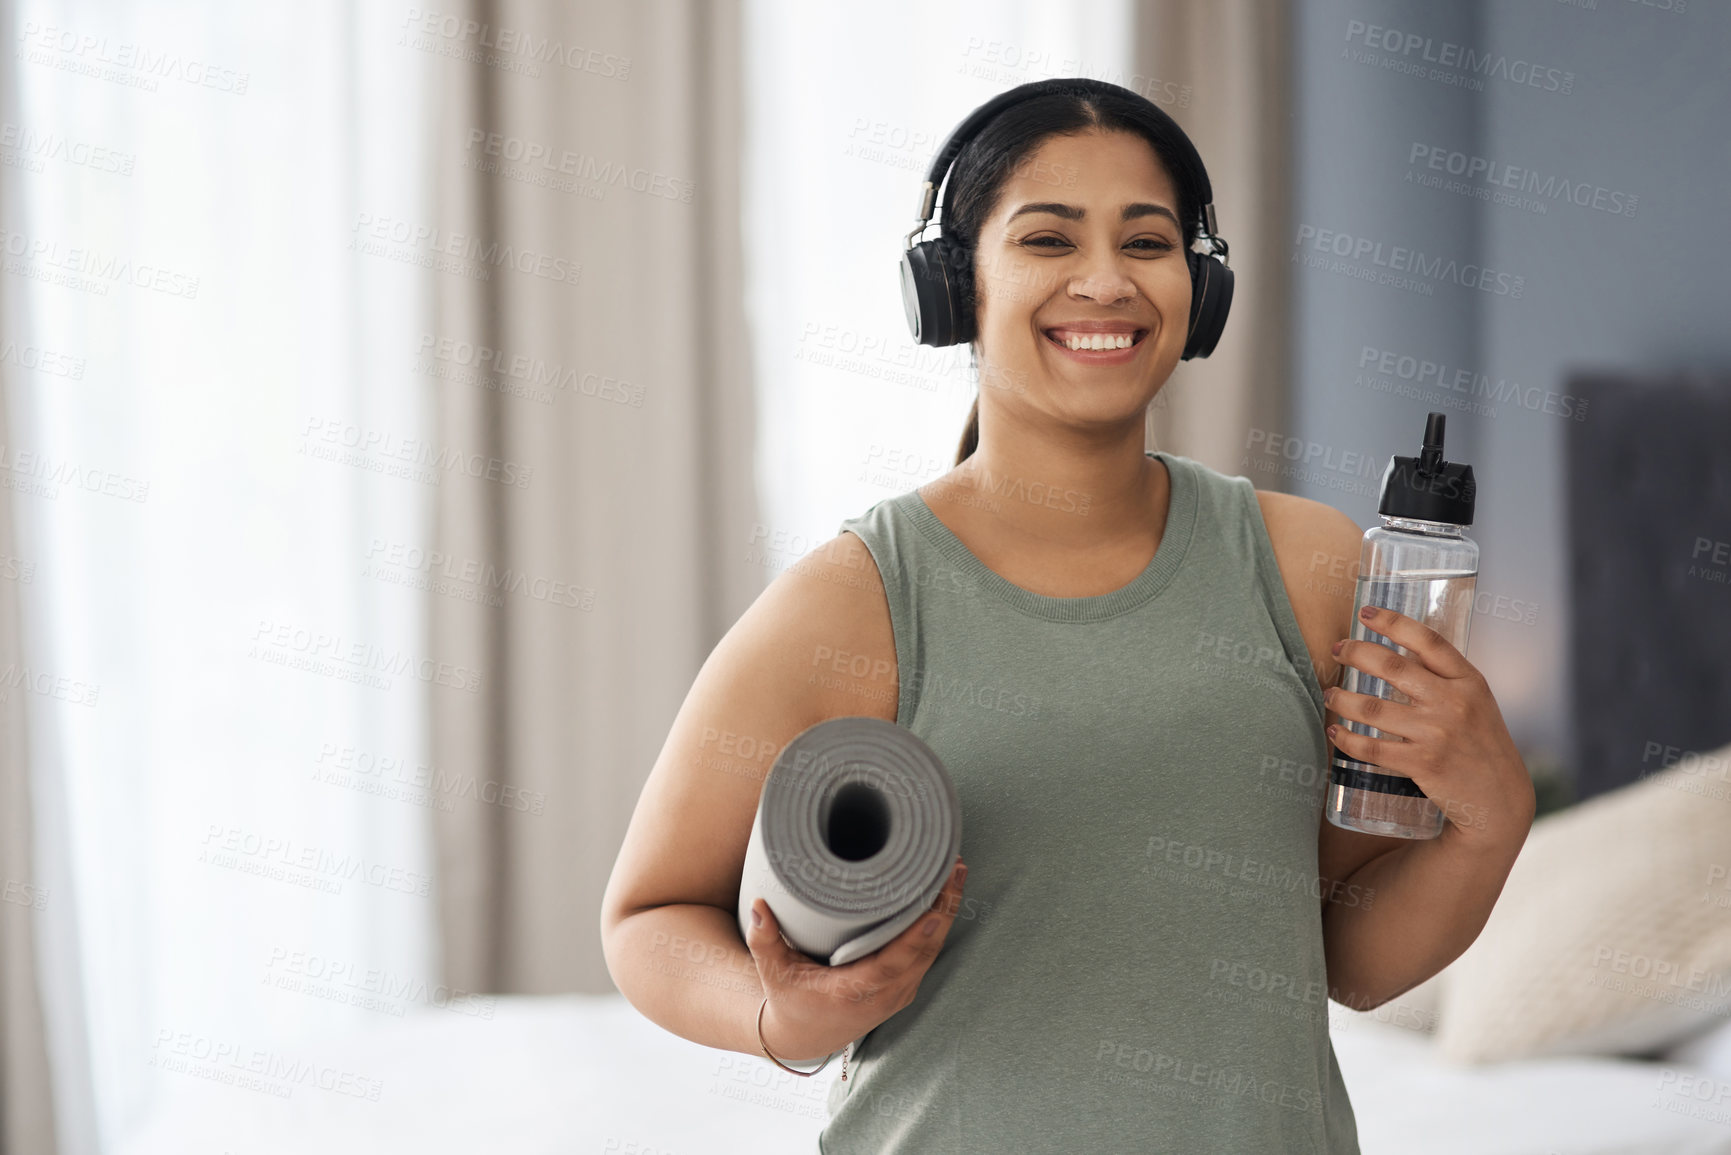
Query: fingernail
pixel 756 917
pixel 1333 732
pixel 1337 645
pixel 931 926
pixel 1367 613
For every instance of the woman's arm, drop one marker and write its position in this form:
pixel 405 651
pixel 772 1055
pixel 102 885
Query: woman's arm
pixel 1430 897
pixel 668 921
pixel 1395 911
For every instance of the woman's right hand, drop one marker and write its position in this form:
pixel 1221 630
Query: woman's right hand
pixel 815 1010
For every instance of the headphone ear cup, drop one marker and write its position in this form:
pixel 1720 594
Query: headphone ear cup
pixel 931 298
pixel 1210 300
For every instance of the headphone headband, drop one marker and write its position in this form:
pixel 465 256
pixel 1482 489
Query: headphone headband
pixel 975 121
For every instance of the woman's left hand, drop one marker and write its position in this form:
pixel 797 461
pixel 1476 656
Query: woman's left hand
pixel 1451 739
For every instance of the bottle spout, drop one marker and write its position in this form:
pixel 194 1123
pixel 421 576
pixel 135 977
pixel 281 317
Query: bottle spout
pixel 1430 457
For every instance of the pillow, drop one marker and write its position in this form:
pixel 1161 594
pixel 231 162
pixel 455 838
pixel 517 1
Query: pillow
pixel 1709 1051
pixel 1612 934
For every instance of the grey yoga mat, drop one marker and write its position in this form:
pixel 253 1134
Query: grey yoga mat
pixel 857 828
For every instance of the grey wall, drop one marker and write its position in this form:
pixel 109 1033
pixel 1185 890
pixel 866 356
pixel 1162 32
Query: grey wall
pixel 1622 101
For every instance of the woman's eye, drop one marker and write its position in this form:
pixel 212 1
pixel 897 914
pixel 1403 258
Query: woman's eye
pixel 1141 244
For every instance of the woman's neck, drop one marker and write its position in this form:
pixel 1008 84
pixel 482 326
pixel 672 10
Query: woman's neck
pixel 1083 498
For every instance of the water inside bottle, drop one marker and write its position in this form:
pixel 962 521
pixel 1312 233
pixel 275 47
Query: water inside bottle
pixel 1440 599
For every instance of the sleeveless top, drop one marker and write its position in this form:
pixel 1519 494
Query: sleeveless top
pixel 1137 964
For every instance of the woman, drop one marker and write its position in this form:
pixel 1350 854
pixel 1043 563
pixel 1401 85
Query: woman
pixel 1121 658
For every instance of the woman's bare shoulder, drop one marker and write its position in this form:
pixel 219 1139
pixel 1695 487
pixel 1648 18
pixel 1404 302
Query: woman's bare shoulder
pixel 828 618
pixel 815 644
pixel 1316 547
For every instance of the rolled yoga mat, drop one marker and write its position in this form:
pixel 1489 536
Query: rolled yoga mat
pixel 857 829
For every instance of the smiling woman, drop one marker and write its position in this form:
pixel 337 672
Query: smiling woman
pixel 1010 171
pixel 1117 658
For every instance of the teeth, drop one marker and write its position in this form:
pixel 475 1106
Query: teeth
pixel 1099 340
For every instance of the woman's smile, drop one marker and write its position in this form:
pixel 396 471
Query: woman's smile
pixel 1093 344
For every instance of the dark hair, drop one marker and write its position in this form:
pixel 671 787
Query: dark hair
pixel 986 163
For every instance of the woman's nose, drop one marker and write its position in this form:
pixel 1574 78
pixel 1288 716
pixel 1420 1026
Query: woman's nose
pixel 1103 282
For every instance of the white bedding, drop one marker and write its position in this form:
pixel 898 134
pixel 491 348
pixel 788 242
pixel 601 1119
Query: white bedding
pixel 1408 1101
pixel 589 1074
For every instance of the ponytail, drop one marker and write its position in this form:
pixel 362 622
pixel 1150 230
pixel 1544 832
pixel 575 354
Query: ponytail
pixel 970 435
pixel 971 432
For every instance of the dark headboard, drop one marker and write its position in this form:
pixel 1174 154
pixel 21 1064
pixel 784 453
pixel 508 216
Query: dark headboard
pixel 1649 526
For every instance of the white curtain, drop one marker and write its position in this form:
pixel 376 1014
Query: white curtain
pixel 219 476
pixel 846 106
pixel 621 395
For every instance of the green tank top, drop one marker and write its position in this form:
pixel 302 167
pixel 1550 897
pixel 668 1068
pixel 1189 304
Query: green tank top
pixel 1138 963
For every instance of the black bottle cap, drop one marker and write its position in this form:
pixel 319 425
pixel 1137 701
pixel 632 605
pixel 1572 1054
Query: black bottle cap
pixel 1426 487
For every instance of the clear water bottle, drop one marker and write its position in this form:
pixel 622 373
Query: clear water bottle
pixel 1419 563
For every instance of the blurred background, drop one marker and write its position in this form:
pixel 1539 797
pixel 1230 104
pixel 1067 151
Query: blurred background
pixel 401 402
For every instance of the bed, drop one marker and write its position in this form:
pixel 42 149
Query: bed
pixel 587 1073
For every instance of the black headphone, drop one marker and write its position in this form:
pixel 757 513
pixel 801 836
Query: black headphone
pixel 930 293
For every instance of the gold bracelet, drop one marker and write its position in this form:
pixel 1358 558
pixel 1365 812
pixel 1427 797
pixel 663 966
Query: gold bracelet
pixel 776 1061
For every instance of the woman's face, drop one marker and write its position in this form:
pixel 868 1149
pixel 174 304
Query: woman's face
pixel 1084 242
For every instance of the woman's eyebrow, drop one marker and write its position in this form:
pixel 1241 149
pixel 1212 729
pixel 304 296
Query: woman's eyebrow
pixel 1074 213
